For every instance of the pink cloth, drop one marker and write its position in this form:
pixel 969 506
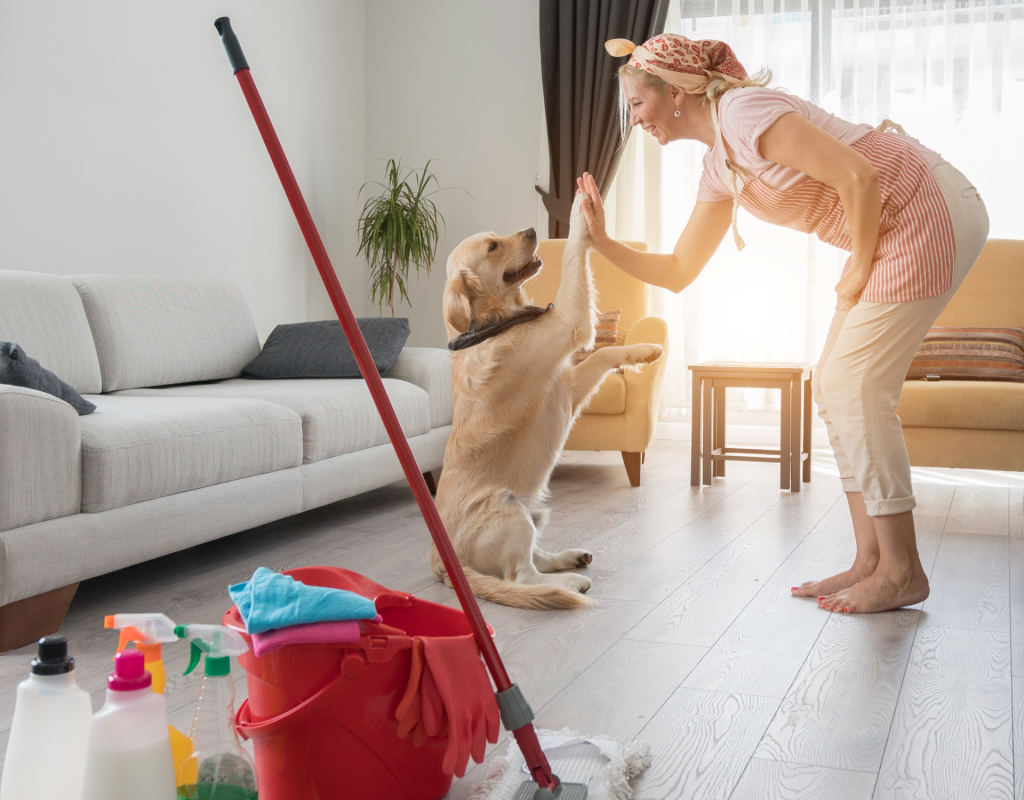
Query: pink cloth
pixel 747 112
pixel 341 632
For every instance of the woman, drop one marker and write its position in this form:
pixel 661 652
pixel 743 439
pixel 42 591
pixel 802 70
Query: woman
pixel 912 223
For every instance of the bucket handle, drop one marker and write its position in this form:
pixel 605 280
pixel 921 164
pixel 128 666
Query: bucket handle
pixel 352 666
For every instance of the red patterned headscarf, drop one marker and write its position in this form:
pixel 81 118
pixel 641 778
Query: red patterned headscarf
pixel 680 61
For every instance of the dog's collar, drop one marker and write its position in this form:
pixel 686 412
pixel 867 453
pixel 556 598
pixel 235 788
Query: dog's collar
pixel 476 335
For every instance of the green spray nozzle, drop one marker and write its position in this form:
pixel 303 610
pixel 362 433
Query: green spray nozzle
pixel 217 643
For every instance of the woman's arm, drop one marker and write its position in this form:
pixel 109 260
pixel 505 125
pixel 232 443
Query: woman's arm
pixel 796 142
pixel 705 230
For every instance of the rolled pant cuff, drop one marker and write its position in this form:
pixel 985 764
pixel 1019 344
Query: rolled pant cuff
pixel 885 508
pixel 850 485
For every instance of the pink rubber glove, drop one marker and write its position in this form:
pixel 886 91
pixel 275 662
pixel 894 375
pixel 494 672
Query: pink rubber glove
pixel 453 665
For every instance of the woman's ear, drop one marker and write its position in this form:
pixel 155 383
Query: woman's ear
pixel 456 306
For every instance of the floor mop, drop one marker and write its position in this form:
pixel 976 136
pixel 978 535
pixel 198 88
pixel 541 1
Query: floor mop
pixel 526 763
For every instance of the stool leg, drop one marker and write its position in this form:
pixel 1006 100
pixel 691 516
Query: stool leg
pixel 695 432
pixel 708 435
pixel 796 391
pixel 720 428
pixel 808 403
pixel 784 439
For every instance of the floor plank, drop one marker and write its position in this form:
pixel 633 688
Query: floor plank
pixel 776 780
pixel 970 584
pixel 702 742
pixel 951 735
pixel 838 711
pixel 700 611
pixel 764 648
pixel 979 509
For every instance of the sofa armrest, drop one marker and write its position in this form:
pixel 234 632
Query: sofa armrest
pixel 643 386
pixel 40 458
pixel 429 368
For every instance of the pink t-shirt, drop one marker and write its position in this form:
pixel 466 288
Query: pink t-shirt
pixel 744 114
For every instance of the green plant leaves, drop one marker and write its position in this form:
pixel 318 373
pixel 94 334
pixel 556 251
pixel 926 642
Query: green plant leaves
pixel 399 228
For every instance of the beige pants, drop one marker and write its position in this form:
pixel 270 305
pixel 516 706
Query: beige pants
pixel 867 354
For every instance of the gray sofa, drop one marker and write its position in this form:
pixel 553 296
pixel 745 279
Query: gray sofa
pixel 180 450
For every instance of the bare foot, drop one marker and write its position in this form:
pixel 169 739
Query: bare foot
pixel 879 592
pixel 844 580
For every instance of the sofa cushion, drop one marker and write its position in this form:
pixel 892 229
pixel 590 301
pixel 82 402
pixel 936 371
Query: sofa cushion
pixel 430 368
pixel 985 354
pixel 154 331
pixel 321 350
pixel 338 416
pixel 610 398
pixel 17 368
pixel 136 448
pixel 44 314
pixel 986 405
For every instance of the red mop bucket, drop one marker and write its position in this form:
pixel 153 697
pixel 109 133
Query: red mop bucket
pixel 322 717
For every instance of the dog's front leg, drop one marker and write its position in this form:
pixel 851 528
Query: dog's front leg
pixel 574 303
pixel 590 373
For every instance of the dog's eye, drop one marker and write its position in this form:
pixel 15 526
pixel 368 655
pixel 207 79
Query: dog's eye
pixel 492 247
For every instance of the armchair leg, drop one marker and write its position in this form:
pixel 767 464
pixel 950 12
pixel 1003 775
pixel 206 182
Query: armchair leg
pixel 633 462
pixel 431 484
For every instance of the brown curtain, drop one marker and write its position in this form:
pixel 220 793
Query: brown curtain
pixel 581 91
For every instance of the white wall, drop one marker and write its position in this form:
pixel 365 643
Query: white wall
pixel 126 144
pixel 456 81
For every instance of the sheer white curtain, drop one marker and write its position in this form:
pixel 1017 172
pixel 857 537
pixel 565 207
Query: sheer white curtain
pixel 951 72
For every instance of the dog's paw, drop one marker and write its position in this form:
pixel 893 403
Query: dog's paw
pixel 578 583
pixel 637 354
pixel 577 221
pixel 583 558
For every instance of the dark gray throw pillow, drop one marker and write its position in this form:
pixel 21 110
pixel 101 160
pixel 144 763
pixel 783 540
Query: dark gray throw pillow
pixel 17 369
pixel 320 349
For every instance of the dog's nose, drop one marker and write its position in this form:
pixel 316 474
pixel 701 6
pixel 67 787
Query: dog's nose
pixel 530 233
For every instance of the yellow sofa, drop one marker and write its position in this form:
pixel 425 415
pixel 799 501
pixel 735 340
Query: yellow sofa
pixel 623 414
pixel 973 424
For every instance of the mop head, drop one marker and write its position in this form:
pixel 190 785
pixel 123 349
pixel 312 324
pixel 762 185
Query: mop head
pixel 606 766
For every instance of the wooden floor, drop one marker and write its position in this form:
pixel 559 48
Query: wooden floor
pixel 696 645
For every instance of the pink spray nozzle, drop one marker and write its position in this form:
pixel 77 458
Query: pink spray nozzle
pixel 129 672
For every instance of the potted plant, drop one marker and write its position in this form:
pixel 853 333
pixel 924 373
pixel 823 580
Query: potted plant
pixel 399 228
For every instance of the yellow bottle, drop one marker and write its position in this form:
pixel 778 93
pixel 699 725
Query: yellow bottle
pixel 148 632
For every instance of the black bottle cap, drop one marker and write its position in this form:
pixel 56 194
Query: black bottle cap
pixel 53 657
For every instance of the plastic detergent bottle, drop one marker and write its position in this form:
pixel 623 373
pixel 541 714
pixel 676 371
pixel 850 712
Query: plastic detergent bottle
pixel 50 731
pixel 129 755
pixel 149 632
pixel 223 769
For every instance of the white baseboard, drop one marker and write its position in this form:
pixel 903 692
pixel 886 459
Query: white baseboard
pixel 738 434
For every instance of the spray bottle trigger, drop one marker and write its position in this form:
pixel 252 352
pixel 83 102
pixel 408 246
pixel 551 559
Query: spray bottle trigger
pixel 198 648
pixel 129 634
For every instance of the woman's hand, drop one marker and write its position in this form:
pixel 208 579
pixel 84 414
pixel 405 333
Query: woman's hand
pixel 593 210
pixel 852 284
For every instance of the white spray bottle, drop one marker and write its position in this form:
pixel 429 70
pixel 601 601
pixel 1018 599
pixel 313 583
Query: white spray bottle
pixel 50 731
pixel 222 768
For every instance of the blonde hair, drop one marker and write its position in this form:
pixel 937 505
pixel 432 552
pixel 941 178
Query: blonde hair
pixel 717 85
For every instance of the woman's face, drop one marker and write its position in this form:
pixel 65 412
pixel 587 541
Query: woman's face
pixel 653 111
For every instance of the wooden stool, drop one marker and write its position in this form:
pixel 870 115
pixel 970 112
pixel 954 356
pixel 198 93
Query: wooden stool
pixel 711 379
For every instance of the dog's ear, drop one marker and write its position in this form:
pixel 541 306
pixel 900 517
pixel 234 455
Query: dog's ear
pixel 457 309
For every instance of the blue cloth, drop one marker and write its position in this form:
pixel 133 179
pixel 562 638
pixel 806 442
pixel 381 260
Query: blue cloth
pixel 271 600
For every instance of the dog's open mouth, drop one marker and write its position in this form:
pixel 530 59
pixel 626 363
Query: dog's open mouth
pixel 528 270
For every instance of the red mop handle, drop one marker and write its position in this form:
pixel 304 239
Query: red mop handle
pixel 526 736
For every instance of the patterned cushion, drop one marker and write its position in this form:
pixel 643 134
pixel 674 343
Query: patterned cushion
pixel 985 354
pixel 607 331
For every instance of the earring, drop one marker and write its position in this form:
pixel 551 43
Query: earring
pixel 677 113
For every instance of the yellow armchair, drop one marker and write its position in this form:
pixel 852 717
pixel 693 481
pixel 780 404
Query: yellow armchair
pixel 623 413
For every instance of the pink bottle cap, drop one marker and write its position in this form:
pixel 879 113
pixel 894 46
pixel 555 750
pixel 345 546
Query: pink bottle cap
pixel 129 672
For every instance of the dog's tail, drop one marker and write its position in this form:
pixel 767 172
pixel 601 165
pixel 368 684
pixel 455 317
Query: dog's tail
pixel 522 595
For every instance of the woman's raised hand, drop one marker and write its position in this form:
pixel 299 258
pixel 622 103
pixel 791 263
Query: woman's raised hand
pixel 593 210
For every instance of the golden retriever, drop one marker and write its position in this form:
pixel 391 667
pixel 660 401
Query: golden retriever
pixel 516 395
